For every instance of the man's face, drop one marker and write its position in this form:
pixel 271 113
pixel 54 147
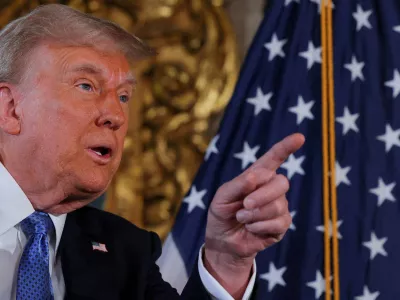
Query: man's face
pixel 74 117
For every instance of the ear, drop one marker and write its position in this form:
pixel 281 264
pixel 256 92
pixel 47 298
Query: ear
pixel 9 116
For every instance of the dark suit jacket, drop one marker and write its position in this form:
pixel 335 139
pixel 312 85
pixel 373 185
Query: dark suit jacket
pixel 126 271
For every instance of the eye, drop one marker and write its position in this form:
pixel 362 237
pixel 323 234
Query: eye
pixel 86 86
pixel 124 98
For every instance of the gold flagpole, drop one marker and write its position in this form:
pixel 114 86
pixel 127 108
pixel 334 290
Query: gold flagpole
pixel 325 152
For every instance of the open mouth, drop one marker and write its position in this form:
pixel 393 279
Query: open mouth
pixel 103 152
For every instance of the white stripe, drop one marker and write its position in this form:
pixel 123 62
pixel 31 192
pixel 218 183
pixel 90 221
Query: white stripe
pixel 172 266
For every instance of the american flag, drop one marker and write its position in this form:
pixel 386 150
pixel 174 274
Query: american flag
pixel 99 247
pixel 278 93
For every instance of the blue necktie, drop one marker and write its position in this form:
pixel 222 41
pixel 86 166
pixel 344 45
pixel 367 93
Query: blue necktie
pixel 34 280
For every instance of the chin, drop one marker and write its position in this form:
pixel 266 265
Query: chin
pixel 94 184
pixel 94 188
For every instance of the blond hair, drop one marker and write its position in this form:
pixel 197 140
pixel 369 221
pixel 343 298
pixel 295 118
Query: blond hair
pixel 56 23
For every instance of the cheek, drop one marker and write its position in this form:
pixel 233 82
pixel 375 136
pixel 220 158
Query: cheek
pixel 54 131
pixel 70 117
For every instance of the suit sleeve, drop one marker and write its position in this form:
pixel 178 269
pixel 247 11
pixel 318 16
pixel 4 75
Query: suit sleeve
pixel 157 288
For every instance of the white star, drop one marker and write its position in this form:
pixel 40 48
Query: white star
pixel 293 165
pixel 341 174
pixel 287 2
pixel 312 55
pixel 348 121
pixel 260 101
pixel 292 226
pixel 212 147
pixel 195 199
pixel 275 47
pixel 375 245
pixel 318 285
pixel 355 67
pixel 390 138
pixel 248 156
pixel 302 110
pixel 321 228
pixel 361 18
pixel 367 295
pixel 383 191
pixel 274 276
pixel 394 83
pixel 319 4
pixel 396 28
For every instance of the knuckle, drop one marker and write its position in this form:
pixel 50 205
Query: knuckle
pixel 252 227
pixel 256 214
pixel 264 175
pixel 283 182
pixel 288 221
pixel 285 204
pixel 282 206
pixel 280 151
pixel 279 207
pixel 283 224
pixel 222 189
pixel 249 182
pixel 275 207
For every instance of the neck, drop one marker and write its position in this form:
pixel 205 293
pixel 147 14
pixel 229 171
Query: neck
pixel 46 195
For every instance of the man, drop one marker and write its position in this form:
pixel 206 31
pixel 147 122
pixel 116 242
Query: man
pixel 65 85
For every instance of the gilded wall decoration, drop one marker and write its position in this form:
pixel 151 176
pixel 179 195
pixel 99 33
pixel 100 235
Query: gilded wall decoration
pixel 181 95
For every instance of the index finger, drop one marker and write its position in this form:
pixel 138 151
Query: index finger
pixel 279 152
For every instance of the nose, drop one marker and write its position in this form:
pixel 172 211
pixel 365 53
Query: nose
pixel 111 113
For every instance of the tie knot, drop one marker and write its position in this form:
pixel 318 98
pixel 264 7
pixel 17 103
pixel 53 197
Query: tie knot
pixel 37 223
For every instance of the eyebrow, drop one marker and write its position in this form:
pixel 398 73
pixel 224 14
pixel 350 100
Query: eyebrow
pixel 87 68
pixel 92 69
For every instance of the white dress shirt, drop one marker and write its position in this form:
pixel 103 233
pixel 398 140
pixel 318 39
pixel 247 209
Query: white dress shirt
pixel 15 207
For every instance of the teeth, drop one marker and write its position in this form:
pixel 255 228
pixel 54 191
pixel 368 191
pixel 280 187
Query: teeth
pixel 98 153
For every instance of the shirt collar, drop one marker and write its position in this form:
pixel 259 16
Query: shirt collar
pixel 15 206
pixel 59 222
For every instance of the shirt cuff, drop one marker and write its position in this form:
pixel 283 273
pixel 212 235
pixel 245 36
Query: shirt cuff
pixel 216 291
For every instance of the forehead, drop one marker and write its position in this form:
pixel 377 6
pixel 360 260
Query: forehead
pixel 112 65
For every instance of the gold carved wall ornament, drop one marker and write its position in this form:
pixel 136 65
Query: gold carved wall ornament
pixel 181 96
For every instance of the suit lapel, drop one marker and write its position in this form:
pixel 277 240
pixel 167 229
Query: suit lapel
pixel 87 272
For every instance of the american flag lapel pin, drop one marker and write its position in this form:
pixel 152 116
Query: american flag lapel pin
pixel 99 247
